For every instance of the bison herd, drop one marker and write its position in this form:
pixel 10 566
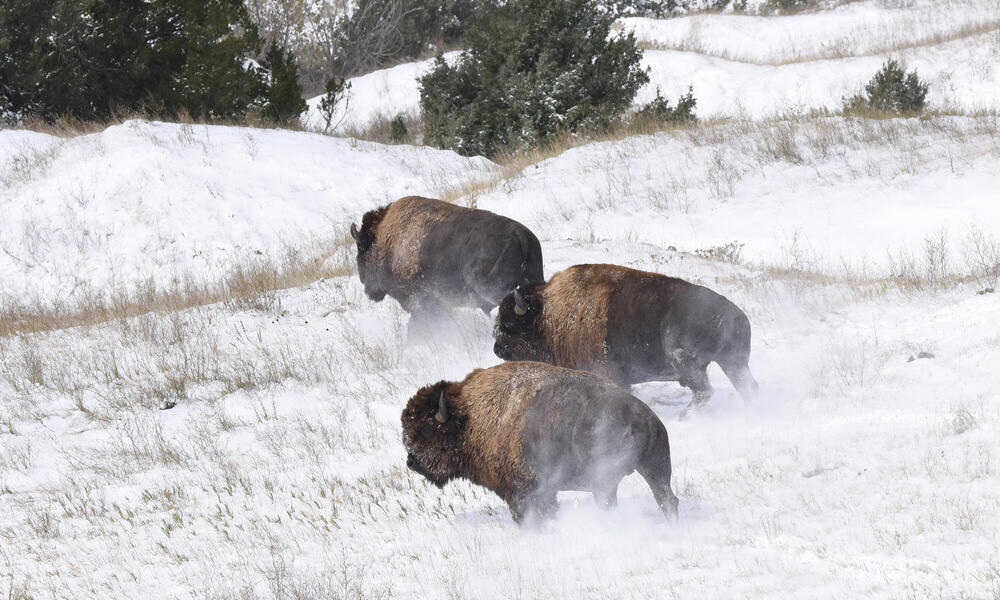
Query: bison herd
pixel 558 416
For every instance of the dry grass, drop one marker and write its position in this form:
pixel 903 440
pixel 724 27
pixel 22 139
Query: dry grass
pixel 69 127
pixel 742 144
pixel 513 164
pixel 27 164
pixel 929 270
pixel 379 129
pixel 248 286
pixel 865 284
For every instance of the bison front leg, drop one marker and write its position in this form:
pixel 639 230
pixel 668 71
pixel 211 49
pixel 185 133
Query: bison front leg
pixel 695 378
pixel 426 315
pixel 607 498
pixel 533 508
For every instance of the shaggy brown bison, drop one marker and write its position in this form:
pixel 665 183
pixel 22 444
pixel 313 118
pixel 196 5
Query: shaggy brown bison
pixel 428 254
pixel 527 430
pixel 628 325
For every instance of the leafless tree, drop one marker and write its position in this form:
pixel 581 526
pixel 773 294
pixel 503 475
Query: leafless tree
pixel 373 34
pixel 328 39
pixel 280 21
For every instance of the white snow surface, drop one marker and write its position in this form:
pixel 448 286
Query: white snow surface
pixel 852 29
pixel 279 471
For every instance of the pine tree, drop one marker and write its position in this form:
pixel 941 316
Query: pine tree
pixel 57 61
pixel 87 59
pixel 284 94
pixel 533 68
pixel 211 46
pixel 891 90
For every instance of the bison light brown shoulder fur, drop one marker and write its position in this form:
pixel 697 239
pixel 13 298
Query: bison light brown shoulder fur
pixel 429 254
pixel 628 325
pixel 526 430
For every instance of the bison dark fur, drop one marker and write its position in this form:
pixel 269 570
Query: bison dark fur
pixel 630 326
pixel 526 430
pixel 428 255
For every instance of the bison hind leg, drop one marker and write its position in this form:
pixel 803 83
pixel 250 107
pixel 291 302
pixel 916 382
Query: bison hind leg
pixel 658 480
pixel 667 501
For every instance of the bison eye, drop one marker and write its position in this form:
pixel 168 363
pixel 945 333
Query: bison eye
pixel 427 431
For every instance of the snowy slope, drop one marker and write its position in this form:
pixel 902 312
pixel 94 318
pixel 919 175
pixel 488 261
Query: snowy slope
pixel 961 74
pixel 166 201
pixel 831 189
pixel 852 29
pixel 758 66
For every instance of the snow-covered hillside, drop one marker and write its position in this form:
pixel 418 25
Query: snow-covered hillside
pixel 166 202
pixel 246 443
pixel 772 65
pixel 855 192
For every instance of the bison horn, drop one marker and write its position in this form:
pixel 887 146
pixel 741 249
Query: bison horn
pixel 442 413
pixel 354 231
pixel 520 306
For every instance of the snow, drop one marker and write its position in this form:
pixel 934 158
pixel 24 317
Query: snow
pixel 760 66
pixel 378 95
pixel 279 471
pixel 960 73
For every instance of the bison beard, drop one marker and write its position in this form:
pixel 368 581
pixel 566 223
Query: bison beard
pixel 630 326
pixel 528 430
pixel 430 255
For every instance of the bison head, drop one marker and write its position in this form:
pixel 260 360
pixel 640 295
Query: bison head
pixel 432 426
pixel 517 333
pixel 368 270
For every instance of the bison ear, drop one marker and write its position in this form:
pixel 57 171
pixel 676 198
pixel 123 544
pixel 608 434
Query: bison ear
pixel 520 305
pixel 442 413
pixel 354 231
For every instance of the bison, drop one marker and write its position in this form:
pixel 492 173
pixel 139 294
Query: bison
pixel 429 255
pixel 526 430
pixel 630 326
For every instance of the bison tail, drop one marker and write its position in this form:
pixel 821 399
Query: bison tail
pixel 531 264
pixel 735 358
